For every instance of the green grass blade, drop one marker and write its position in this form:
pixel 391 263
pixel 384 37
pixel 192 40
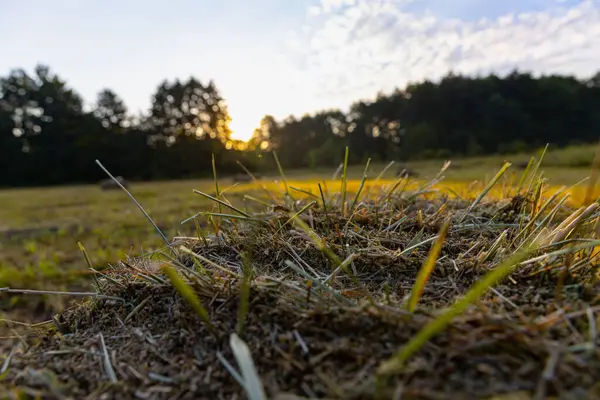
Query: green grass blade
pixel 214 168
pixel 540 212
pixel 376 181
pixel 287 189
pixel 302 210
pixel 232 216
pixel 324 204
pixel 536 168
pixel 360 188
pixel 396 362
pixel 525 175
pixel 395 186
pixel 304 192
pixel 259 201
pixel 319 244
pixel 344 183
pixel 427 268
pixel 247 272
pixel 485 191
pixel 221 202
pixel 188 294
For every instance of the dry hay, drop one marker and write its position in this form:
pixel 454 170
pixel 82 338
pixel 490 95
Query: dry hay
pixel 534 334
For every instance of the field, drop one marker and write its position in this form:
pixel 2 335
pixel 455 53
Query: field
pixel 40 227
pixel 377 243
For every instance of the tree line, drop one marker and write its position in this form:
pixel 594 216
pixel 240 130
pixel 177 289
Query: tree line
pixel 455 117
pixel 48 136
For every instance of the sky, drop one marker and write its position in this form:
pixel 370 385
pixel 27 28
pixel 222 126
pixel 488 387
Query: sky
pixel 283 57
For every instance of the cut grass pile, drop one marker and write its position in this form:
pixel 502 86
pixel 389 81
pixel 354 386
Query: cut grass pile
pixel 379 291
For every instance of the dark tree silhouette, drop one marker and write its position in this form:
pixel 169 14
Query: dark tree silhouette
pixel 47 137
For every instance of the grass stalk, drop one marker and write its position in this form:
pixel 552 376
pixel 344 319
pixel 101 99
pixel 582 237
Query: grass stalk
pixel 427 268
pixel 189 295
pixel 344 187
pixel 162 235
pixel 396 362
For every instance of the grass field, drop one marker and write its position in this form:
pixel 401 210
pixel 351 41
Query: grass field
pixel 40 227
pixel 380 254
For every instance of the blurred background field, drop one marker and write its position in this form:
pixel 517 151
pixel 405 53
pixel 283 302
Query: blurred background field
pixel 40 227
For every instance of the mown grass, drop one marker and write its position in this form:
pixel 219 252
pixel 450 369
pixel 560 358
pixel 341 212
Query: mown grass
pixel 40 227
pixel 341 289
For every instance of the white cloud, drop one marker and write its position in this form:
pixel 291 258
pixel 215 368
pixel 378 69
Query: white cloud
pixel 314 11
pixel 357 48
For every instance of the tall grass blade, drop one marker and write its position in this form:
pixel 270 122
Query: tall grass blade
pixel 256 180
pixel 427 268
pixel 162 235
pixel 300 212
pixel 232 216
pixel 395 186
pixel 344 182
pixel 217 221
pixel 360 188
pixel 90 266
pixel 304 192
pixel 221 202
pixel 214 168
pixel 287 189
pixel 485 191
pixel 247 272
pixel 525 175
pixel 259 201
pixel 376 181
pixel 536 168
pixel 188 294
pixel 324 204
pixel 396 362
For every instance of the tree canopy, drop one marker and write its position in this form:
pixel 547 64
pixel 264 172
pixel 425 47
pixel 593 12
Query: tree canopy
pixel 48 136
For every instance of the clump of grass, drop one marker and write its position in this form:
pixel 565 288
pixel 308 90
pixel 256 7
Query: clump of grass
pixel 400 290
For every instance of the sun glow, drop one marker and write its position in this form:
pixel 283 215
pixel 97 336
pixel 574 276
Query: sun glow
pixel 243 124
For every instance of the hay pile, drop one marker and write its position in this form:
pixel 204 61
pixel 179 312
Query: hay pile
pixel 318 289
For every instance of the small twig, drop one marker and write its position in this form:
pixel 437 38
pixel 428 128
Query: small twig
pixel 32 291
pixel 301 341
pixel 7 360
pixel 548 374
pixel 592 327
pixel 137 308
pixel 236 375
pixel 497 293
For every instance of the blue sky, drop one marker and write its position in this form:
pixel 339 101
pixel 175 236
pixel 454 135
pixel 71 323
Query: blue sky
pixel 293 56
